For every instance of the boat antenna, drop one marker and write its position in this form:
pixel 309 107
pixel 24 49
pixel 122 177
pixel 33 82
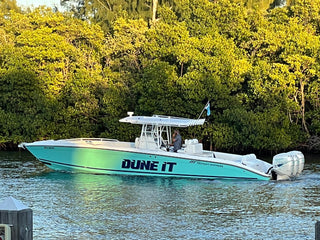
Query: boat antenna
pixel 206 107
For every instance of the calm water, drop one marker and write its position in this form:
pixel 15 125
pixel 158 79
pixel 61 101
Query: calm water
pixel 86 206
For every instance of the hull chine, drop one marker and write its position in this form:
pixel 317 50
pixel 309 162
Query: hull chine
pixel 74 168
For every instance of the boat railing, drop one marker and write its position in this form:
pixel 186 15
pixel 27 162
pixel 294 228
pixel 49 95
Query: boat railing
pixel 171 117
pixel 93 139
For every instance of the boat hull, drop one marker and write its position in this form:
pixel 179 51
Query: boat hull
pixel 109 161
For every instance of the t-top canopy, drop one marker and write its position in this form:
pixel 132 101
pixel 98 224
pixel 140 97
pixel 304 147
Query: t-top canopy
pixel 162 121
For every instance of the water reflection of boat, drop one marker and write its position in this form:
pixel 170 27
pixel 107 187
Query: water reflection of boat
pixel 149 155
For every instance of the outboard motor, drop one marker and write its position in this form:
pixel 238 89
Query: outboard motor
pixel 300 160
pixel 288 165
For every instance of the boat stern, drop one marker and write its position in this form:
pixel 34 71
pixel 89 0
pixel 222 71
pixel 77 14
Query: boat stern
pixel 288 165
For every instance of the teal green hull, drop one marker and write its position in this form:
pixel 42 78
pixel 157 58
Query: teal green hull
pixel 104 161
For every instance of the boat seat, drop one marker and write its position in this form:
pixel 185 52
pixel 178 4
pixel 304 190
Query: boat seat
pixel 246 159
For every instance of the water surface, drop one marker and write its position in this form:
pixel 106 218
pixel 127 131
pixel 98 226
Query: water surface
pixel 87 206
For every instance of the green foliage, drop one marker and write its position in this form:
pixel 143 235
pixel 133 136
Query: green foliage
pixel 63 77
pixel 270 129
pixel 158 90
pixel 7 5
pixel 22 105
pixel 106 13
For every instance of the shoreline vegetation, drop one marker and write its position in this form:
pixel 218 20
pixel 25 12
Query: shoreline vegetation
pixel 76 73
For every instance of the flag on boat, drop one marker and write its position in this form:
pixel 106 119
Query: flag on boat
pixel 207 107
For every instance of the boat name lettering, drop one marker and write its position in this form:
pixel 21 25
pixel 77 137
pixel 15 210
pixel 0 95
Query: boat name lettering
pixel 206 163
pixel 148 165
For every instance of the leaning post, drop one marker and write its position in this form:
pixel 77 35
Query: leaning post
pixel 16 220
